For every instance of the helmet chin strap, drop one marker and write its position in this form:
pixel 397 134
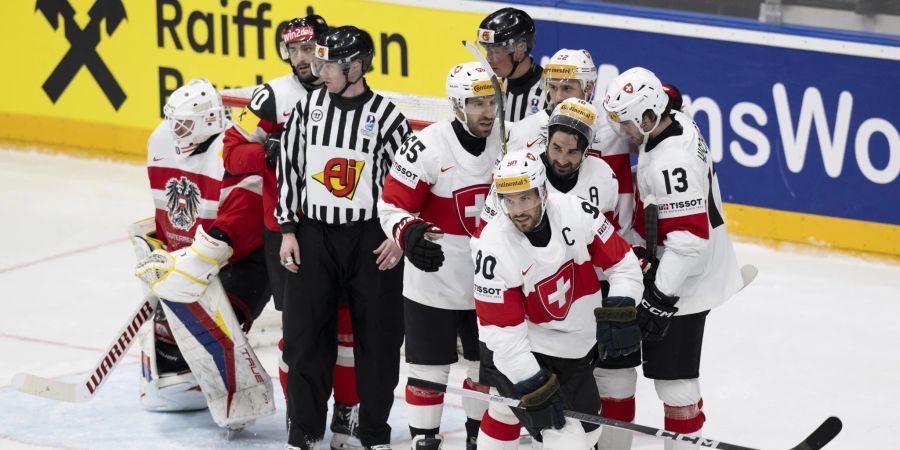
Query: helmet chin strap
pixel 348 83
pixel 465 123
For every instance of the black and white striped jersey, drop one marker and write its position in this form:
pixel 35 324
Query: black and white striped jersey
pixel 335 153
pixel 525 95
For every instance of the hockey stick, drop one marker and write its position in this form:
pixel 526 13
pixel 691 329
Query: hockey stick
pixel 651 226
pixel 498 93
pixel 816 440
pixel 86 389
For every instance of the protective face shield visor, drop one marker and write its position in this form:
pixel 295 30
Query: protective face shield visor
pixel 291 50
pixel 182 129
pixel 630 128
pixel 515 203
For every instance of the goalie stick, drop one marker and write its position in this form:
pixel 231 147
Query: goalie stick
pixel 816 440
pixel 498 92
pixel 85 390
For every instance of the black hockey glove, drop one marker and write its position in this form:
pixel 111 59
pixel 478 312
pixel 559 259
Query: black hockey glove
pixel 410 234
pixel 542 401
pixel 272 148
pixel 655 312
pixel 618 333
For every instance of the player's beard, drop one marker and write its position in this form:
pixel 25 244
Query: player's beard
pixel 526 221
pixel 309 77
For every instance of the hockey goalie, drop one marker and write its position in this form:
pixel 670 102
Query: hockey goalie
pixel 202 256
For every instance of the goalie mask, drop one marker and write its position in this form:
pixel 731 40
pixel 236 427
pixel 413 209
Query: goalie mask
pixel 194 113
pixel 520 183
pixel 467 81
pixel 629 96
pixel 570 66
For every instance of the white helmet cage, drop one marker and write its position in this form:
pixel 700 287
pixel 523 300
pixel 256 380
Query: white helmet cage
pixel 631 94
pixel 194 112
pixel 519 171
pixel 571 65
pixel 465 81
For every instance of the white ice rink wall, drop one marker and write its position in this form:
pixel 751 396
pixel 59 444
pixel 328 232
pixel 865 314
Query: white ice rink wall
pixel 802 122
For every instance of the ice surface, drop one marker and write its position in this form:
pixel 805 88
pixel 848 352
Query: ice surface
pixel 815 335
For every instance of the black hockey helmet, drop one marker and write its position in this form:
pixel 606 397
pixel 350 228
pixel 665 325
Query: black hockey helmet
pixel 344 45
pixel 301 29
pixel 505 27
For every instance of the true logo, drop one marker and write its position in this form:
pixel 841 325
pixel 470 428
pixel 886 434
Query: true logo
pixel 83 46
pixel 183 202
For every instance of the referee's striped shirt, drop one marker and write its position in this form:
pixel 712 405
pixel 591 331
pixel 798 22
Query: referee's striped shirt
pixel 335 153
pixel 524 95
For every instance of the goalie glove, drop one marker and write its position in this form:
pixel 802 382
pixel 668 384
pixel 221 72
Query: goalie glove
pixel 183 275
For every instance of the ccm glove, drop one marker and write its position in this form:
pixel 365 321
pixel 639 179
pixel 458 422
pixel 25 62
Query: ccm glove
pixel 184 275
pixel 647 261
pixel 618 333
pixel 655 312
pixel 410 235
pixel 272 148
pixel 542 401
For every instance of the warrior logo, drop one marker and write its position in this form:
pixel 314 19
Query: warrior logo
pixel 556 292
pixel 469 202
pixel 341 176
pixel 183 202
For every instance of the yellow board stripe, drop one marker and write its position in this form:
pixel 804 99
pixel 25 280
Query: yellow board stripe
pixel 811 229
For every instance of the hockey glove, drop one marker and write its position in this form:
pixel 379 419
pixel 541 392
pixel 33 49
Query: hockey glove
pixel 410 235
pixel 618 333
pixel 272 148
pixel 542 401
pixel 655 312
pixel 184 275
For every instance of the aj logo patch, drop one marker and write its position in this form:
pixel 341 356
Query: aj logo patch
pixel 83 46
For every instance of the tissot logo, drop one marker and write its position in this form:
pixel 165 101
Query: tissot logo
pixel 83 46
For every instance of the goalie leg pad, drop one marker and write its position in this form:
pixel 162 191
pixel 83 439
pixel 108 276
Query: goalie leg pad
pixel 169 385
pixel 236 387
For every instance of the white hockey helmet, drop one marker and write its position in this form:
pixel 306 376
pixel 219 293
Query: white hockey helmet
pixel 465 81
pixel 571 65
pixel 631 94
pixel 519 171
pixel 575 114
pixel 194 112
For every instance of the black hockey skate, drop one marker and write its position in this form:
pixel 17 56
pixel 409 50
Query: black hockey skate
pixel 344 424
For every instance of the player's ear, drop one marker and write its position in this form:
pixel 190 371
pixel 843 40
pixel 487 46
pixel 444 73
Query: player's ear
pixel 521 51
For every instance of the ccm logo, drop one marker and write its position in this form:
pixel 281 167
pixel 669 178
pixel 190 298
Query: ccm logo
pixel 655 311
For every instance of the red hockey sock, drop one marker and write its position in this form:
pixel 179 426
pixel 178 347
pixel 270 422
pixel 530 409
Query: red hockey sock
pixel 344 370
pixel 685 419
pixel 618 408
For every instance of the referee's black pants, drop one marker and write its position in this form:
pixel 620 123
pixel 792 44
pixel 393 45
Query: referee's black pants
pixel 337 259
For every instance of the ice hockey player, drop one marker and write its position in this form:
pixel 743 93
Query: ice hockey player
pixel 570 73
pixel 337 147
pixel 252 145
pixel 540 310
pixel 206 266
pixel 438 184
pixel 694 268
pixel 508 36
pixel 570 166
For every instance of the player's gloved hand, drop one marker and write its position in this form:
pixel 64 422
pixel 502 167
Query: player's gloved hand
pixel 184 275
pixel 655 312
pixel 648 262
pixel 412 235
pixel 542 401
pixel 272 148
pixel 618 333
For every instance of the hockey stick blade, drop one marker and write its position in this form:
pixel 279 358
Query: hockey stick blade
pixel 827 431
pixel 816 440
pixel 498 91
pixel 85 390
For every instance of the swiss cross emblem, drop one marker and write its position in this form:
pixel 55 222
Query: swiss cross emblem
pixel 469 202
pixel 556 292
pixel 628 88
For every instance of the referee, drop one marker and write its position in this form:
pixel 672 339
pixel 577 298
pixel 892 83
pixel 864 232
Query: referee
pixel 337 147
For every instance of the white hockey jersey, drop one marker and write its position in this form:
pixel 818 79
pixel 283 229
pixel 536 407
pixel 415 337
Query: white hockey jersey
pixel 697 259
pixel 615 151
pixel 541 299
pixel 435 178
